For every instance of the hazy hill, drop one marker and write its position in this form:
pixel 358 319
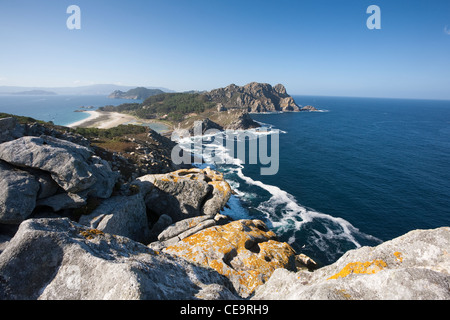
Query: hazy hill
pixel 35 93
pixel 95 89
pixel 139 93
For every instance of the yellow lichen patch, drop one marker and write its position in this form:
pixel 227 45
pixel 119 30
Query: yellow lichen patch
pixel 91 233
pixel 242 250
pixel 344 293
pixel 215 178
pixel 213 175
pixel 368 267
pixel 221 186
pixel 169 178
pixel 398 255
pixel 217 181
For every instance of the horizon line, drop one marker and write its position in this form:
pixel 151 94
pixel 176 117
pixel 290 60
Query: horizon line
pixel 176 91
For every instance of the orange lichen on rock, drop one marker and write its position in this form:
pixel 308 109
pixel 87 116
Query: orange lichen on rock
pixel 368 267
pixel 217 181
pixel 244 251
pixel 398 255
pixel 91 233
pixel 212 177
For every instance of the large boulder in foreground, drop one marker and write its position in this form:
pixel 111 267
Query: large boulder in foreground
pixel 185 193
pixel 18 193
pixel 121 215
pixel 72 166
pixel 60 259
pixel 245 251
pixel 66 161
pixel 10 129
pixel 185 228
pixel 413 266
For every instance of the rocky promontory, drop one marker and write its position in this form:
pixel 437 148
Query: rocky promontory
pixel 229 120
pixel 228 107
pixel 254 97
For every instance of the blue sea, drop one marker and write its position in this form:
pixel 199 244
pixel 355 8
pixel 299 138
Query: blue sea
pixel 58 108
pixel 360 172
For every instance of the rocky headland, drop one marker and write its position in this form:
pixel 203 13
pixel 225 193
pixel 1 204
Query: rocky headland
pixel 254 97
pixel 228 108
pixel 78 221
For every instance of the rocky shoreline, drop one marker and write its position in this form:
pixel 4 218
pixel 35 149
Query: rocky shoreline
pixel 74 225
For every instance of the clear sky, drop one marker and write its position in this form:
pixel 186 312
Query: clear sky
pixel 313 47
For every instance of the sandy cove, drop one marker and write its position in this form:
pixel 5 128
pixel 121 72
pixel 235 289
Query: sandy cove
pixel 102 120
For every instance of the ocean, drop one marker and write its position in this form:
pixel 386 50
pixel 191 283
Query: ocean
pixel 360 172
pixel 58 108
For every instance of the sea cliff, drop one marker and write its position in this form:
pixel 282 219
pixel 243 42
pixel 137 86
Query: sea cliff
pixel 254 97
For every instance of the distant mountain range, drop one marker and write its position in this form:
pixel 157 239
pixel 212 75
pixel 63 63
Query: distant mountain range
pixel 35 93
pixel 95 89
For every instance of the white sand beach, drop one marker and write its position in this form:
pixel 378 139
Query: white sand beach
pixel 103 120
pixel 93 115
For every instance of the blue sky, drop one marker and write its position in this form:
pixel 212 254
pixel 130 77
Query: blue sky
pixel 313 47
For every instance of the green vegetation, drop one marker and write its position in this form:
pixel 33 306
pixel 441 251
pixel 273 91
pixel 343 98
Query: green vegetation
pixel 124 107
pixel 177 103
pixel 143 93
pixel 21 119
pixel 113 139
pixel 140 93
pixel 111 133
pixel 174 105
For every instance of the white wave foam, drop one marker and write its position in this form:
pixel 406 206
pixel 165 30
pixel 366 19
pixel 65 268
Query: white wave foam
pixel 235 209
pixel 281 210
pixel 263 124
pixel 295 216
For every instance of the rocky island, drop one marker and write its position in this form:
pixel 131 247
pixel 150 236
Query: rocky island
pixel 308 108
pixel 139 93
pixel 227 108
